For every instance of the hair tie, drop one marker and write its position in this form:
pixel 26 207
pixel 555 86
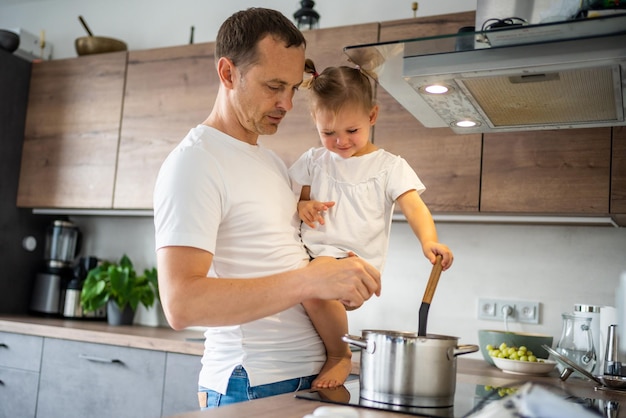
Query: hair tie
pixel 315 74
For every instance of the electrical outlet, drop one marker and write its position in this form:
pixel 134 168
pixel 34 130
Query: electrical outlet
pixel 514 311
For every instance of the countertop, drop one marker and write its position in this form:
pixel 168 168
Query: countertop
pixel 136 336
pixel 472 371
pixel 469 370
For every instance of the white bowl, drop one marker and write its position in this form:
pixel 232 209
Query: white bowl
pixel 524 367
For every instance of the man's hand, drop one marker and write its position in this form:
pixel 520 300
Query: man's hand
pixel 350 280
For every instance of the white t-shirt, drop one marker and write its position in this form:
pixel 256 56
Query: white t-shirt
pixel 235 200
pixel 364 190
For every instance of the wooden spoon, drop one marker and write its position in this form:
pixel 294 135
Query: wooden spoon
pixel 428 296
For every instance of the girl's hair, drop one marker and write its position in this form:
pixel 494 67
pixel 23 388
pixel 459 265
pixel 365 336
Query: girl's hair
pixel 338 86
pixel 239 36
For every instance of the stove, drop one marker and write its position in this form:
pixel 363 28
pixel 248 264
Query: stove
pixel 468 398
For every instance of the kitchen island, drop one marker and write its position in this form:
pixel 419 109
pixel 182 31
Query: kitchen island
pixel 471 373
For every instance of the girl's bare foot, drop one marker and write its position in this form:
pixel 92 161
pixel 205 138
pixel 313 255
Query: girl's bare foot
pixel 334 372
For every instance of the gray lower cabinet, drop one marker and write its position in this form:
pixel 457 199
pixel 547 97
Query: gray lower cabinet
pixel 181 384
pixel 80 379
pixel 20 360
pixel 49 377
pixel 18 393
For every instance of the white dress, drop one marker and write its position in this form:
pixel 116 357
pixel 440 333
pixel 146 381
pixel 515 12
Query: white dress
pixel 364 190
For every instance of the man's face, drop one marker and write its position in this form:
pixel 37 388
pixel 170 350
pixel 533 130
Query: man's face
pixel 264 93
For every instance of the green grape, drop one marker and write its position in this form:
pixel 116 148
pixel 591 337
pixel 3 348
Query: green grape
pixel 502 392
pixel 521 353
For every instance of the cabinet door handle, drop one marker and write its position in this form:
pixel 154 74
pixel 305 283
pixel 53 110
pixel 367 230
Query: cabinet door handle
pixel 3 345
pixel 99 359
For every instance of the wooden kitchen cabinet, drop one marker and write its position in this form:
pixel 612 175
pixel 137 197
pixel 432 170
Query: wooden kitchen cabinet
pixel 94 142
pixel 20 361
pixel 555 172
pixel 297 133
pixel 80 379
pixel 618 175
pixel 181 384
pixel 72 132
pixel 448 164
pixel 168 92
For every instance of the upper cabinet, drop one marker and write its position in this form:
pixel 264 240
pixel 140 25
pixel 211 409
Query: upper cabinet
pixel 296 132
pixel 448 164
pixel 556 171
pixel 168 92
pixel 99 127
pixel 72 132
pixel 618 175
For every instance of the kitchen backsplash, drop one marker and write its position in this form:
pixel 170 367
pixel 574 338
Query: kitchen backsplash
pixel 557 266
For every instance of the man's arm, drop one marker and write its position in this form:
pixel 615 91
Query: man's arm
pixel 189 298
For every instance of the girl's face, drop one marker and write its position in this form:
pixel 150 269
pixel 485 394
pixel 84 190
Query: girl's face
pixel 346 133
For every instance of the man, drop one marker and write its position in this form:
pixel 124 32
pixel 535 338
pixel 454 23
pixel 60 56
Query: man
pixel 228 251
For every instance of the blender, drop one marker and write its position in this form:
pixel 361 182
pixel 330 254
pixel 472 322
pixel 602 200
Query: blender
pixel 62 247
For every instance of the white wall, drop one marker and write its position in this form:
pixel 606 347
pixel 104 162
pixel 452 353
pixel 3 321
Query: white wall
pixel 555 265
pixel 145 24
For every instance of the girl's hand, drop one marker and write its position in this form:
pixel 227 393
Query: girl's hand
pixel 311 211
pixel 432 249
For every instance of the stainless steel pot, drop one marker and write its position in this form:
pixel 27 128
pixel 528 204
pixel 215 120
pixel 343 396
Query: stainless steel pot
pixel 401 368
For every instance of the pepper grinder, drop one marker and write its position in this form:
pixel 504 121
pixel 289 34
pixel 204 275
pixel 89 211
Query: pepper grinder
pixel 612 365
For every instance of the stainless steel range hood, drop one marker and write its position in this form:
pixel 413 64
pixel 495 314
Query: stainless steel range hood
pixel 569 74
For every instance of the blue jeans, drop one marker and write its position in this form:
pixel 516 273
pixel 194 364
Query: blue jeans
pixel 239 389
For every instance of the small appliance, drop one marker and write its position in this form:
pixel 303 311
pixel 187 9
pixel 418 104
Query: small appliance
pixel 71 307
pixel 62 247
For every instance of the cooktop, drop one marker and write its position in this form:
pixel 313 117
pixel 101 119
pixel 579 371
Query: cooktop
pixel 468 398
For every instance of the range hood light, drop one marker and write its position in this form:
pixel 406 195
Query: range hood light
pixel 436 89
pixel 465 123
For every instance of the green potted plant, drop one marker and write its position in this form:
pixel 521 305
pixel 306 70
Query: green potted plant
pixel 118 286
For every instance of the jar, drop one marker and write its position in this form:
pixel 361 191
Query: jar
pixel 593 312
pixel 576 342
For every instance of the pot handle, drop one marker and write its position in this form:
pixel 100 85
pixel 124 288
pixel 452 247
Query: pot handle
pixel 464 349
pixel 369 347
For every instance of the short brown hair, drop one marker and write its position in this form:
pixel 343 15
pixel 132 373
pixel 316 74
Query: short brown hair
pixel 239 35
